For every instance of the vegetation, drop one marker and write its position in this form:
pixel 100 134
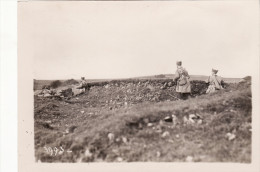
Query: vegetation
pixel 95 132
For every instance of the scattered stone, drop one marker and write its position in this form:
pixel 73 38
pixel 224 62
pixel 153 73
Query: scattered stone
pixel 189 159
pixel 82 111
pixel 185 120
pixel 88 154
pixel 118 139
pixel 231 110
pixel 165 134
pixel 111 137
pixel 174 119
pixel 119 159
pixel 158 154
pixel 124 139
pixel 150 124
pixel 192 119
pixel 168 119
pixel 230 136
pixel 70 129
pixel 177 136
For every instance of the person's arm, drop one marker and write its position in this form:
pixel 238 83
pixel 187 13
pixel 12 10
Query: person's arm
pixel 187 74
pixel 222 83
pixel 207 81
pixel 176 76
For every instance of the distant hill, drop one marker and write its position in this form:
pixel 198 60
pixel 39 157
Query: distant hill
pixel 192 77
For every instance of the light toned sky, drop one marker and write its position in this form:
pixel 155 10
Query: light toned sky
pixel 129 39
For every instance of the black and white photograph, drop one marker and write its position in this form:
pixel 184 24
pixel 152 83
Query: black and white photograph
pixel 139 81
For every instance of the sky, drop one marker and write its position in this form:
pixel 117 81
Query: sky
pixel 100 40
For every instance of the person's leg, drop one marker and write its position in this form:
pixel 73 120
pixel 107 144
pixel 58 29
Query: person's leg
pixel 185 96
pixel 180 96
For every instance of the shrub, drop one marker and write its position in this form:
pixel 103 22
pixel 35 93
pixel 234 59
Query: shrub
pixel 55 84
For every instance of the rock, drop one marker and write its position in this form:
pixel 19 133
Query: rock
pixel 174 119
pixel 150 124
pixel 177 136
pixel 82 111
pixel 168 119
pixel 125 103
pixel 165 134
pixel 49 121
pixel 158 154
pixel 47 95
pixel 230 136
pixel 88 154
pixel 118 139
pixel 169 84
pixel 193 118
pixel 110 108
pixel 185 120
pixel 119 159
pixel 189 159
pixel 111 137
pixel 124 139
pixel 70 129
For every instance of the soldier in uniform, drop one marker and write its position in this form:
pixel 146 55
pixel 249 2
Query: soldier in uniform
pixel 215 82
pixel 182 77
pixel 82 85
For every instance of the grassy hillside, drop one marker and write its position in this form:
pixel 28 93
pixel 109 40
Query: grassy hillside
pixel 96 126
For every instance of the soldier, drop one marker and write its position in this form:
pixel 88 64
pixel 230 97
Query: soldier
pixel 182 77
pixel 82 84
pixel 215 82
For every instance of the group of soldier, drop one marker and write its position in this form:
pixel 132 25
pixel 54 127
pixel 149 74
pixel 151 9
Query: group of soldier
pixel 182 81
pixel 183 86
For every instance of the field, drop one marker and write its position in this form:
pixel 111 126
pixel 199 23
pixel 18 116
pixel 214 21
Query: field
pixel 141 120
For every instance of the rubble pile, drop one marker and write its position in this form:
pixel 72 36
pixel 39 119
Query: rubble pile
pixel 119 93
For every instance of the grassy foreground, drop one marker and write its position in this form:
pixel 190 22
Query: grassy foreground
pixel 74 132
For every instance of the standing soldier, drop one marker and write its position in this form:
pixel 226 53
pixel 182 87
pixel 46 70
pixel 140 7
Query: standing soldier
pixel 215 82
pixel 182 77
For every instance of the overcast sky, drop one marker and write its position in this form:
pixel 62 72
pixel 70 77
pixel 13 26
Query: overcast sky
pixel 129 39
